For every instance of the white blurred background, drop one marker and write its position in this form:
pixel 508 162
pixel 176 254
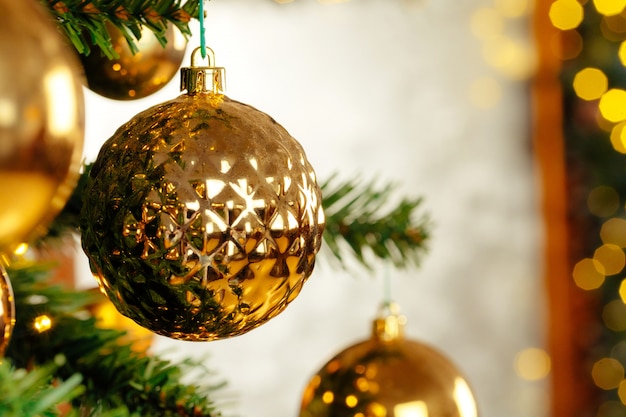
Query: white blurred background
pixel 431 95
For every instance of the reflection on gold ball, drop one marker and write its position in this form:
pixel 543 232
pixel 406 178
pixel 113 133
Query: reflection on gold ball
pixel 134 76
pixel 202 218
pixel 388 376
pixel 41 122
pixel 7 311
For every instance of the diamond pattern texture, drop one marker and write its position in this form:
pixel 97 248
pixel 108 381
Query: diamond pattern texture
pixel 202 222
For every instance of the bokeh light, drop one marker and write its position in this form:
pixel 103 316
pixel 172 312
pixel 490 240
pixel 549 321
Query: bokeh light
pixel 613 105
pixel 611 257
pixel 609 7
pixel 533 364
pixel 607 373
pixel 42 323
pixel 485 92
pixel 622 53
pixel 590 83
pixel 486 23
pixel 567 44
pixel 603 201
pixel 566 14
pixel 614 315
pixel 513 58
pixel 614 231
pixel 588 274
pixel 622 292
pixel 512 8
pixel 618 137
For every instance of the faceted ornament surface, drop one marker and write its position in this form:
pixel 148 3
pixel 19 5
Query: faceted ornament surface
pixel 202 218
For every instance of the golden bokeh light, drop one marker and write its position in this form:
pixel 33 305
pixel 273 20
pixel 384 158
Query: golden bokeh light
pixel 621 392
pixel 512 8
pixel 513 58
pixel 42 323
pixel 486 23
pixel 622 291
pixel 622 53
pixel 607 373
pixel 566 14
pixel 614 315
pixel 485 92
pixel 532 364
pixel 603 201
pixel 613 105
pixel 614 231
pixel 588 274
pixel 618 137
pixel 609 7
pixel 567 44
pixel 611 257
pixel 590 83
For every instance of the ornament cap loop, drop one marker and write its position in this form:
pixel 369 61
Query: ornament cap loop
pixel 389 325
pixel 203 79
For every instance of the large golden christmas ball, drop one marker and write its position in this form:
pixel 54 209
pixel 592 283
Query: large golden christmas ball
pixel 7 310
pixel 202 217
pixel 388 376
pixel 134 75
pixel 41 121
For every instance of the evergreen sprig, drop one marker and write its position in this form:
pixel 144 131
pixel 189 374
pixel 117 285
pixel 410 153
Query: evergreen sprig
pixel 86 22
pixel 116 380
pixel 34 393
pixel 357 224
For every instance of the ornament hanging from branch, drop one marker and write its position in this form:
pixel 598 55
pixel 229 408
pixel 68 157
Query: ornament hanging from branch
pixel 202 217
pixel 135 74
pixel 388 375
pixel 41 122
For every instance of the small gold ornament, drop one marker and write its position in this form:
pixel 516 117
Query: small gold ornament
pixel 134 76
pixel 388 376
pixel 7 311
pixel 202 217
pixel 41 121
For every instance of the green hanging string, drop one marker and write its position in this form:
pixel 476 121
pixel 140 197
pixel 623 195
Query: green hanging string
pixel 202 30
pixel 386 288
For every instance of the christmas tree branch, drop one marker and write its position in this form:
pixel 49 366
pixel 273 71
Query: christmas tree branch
pixel 85 21
pixel 115 378
pixel 356 223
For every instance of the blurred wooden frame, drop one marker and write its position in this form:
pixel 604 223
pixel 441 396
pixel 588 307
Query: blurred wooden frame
pixel 570 311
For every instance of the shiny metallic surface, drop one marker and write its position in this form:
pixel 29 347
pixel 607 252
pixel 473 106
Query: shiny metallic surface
pixel 134 76
pixel 7 310
pixel 41 121
pixel 202 218
pixel 388 376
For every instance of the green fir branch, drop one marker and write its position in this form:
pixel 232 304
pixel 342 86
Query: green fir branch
pixel 357 224
pixel 36 393
pixel 85 22
pixel 116 380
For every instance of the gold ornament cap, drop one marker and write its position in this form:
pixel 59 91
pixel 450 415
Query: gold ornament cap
pixel 389 325
pixel 202 79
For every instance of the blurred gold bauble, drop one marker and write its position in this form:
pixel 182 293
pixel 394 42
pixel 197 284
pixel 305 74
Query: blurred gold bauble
pixel 7 310
pixel 135 76
pixel 41 121
pixel 388 376
pixel 202 217
pixel 107 317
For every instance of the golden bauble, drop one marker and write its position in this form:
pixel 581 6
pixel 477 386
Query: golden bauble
pixel 7 310
pixel 202 218
pixel 41 121
pixel 135 76
pixel 388 376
